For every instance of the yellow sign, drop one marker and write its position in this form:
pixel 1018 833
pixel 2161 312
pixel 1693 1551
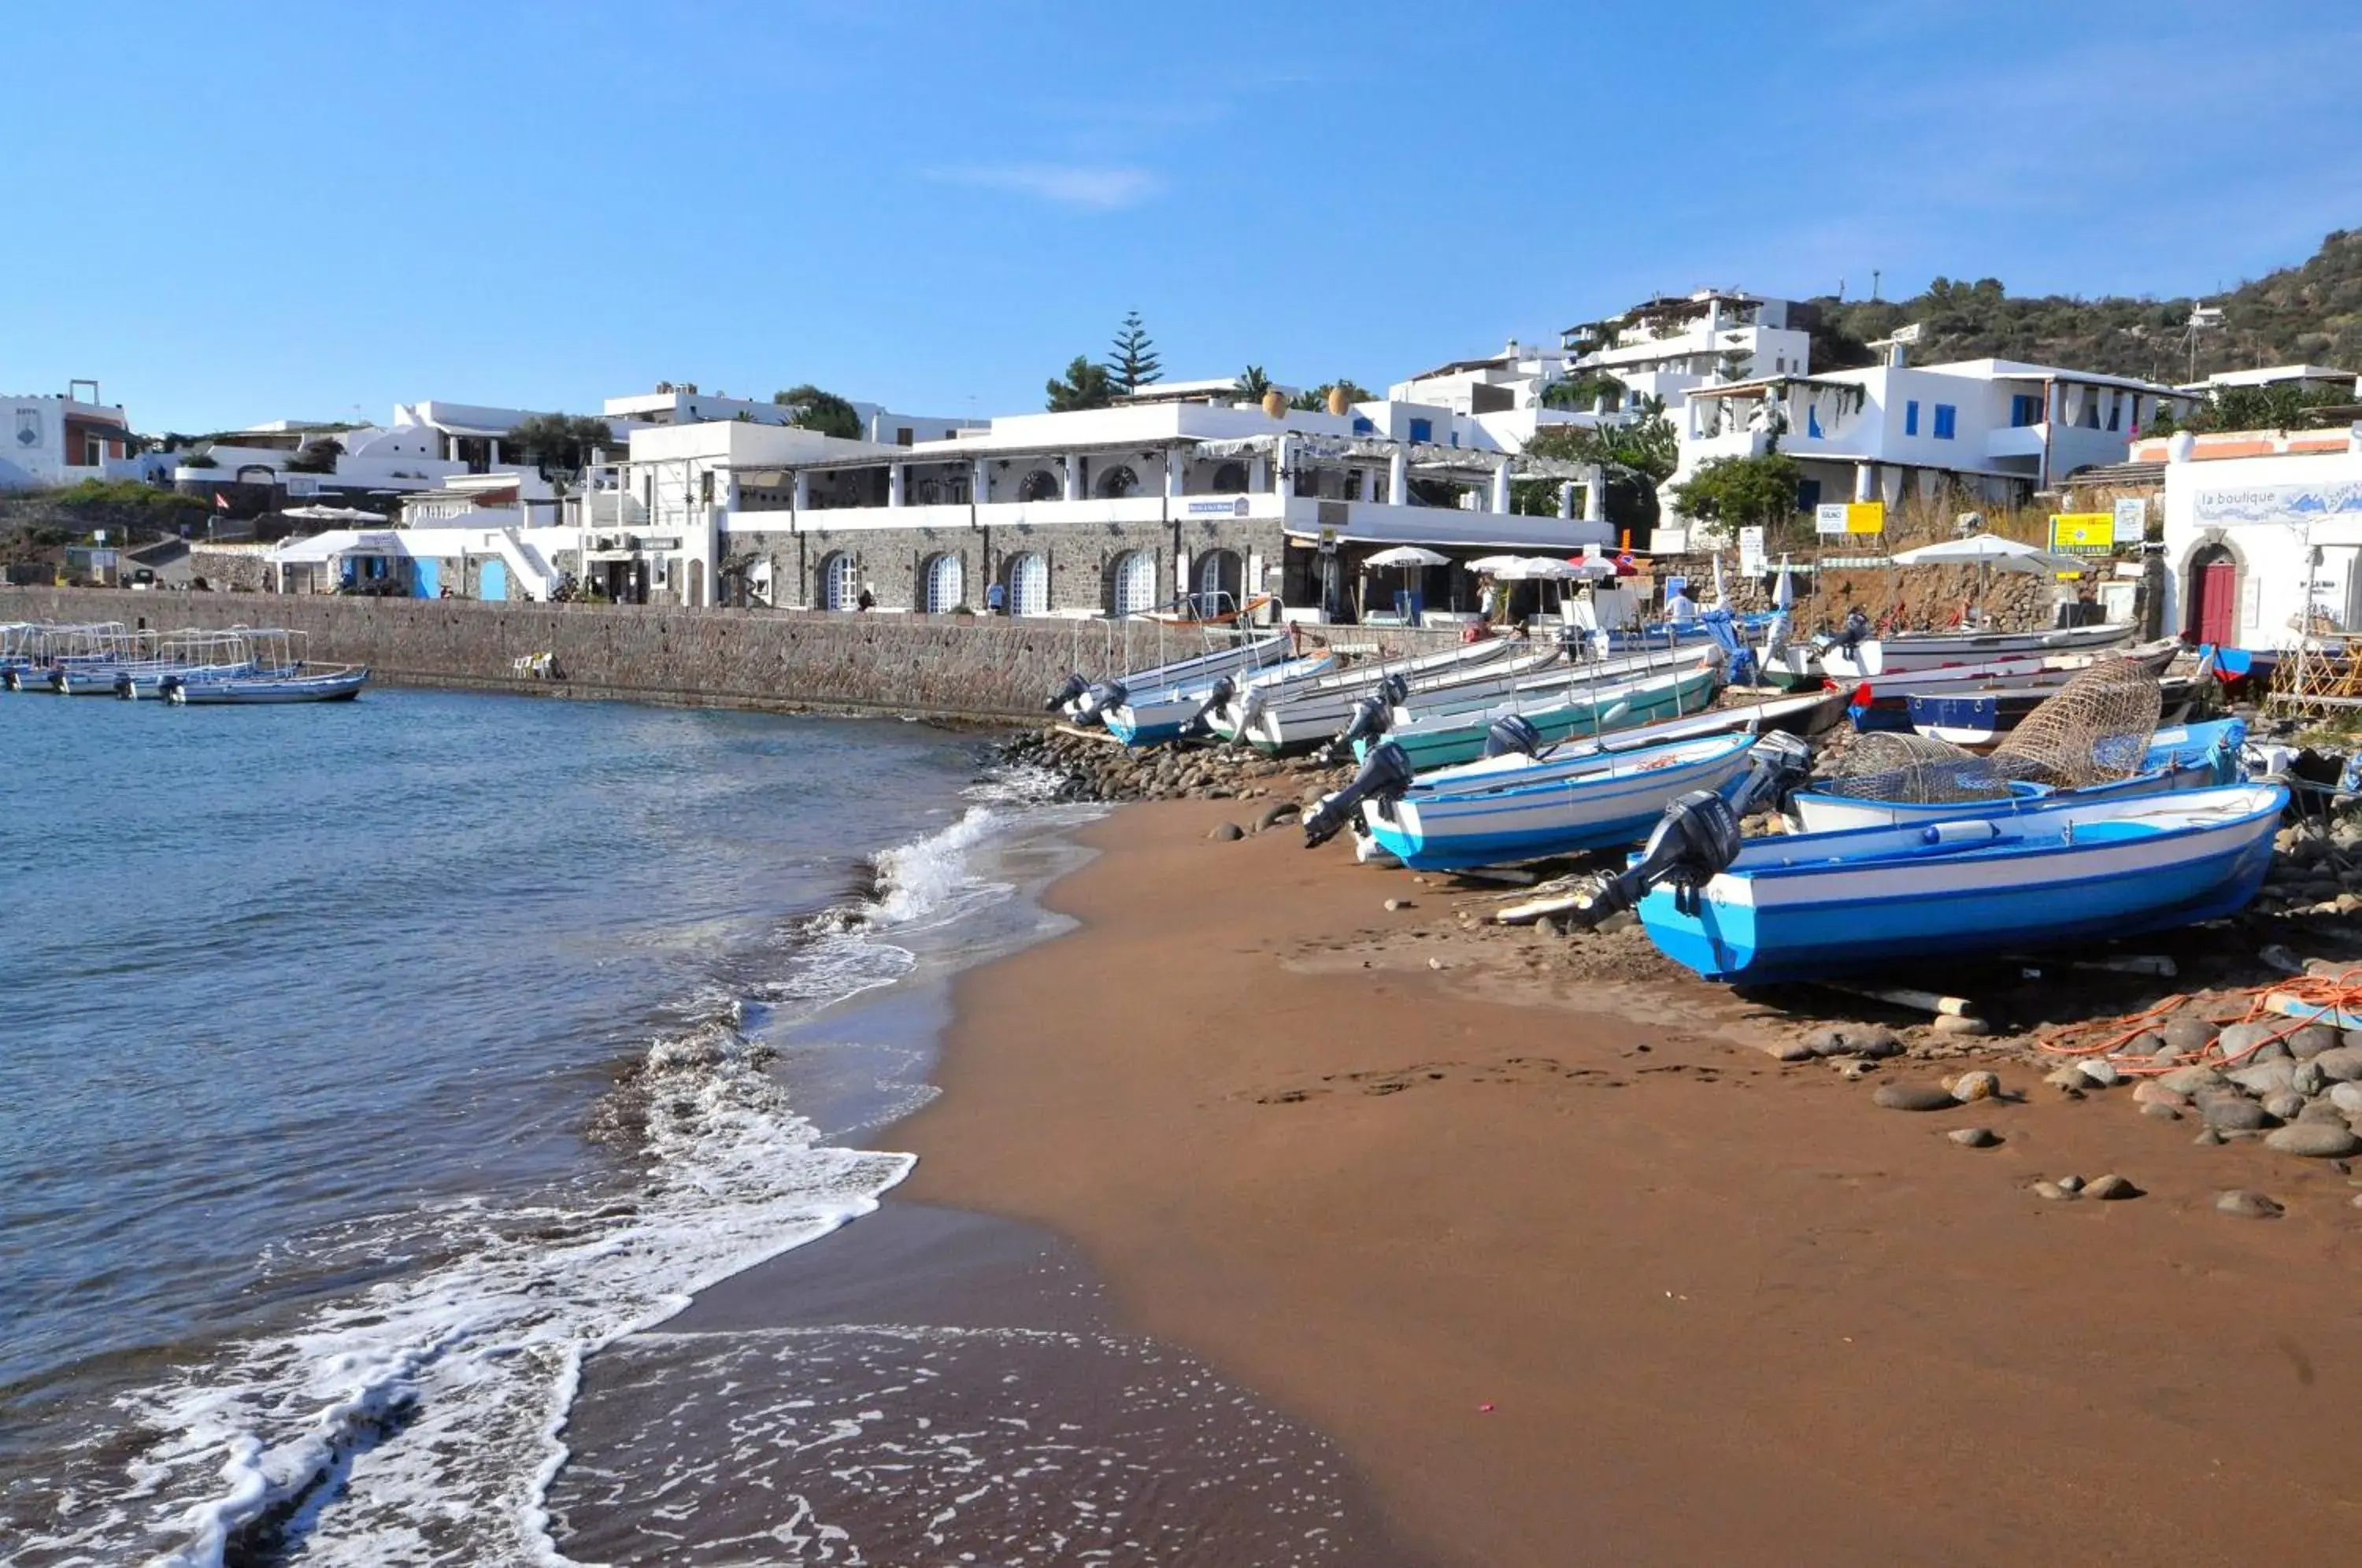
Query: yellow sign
pixel 2084 533
pixel 1866 517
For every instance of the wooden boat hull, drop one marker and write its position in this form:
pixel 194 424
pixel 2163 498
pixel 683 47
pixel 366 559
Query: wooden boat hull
pixel 1808 904
pixel 1615 800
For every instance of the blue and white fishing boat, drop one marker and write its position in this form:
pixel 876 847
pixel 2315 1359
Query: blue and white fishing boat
pixel 2184 756
pixel 1809 904
pixel 1293 714
pixel 304 683
pixel 1086 703
pixel 1579 705
pixel 1609 798
pixel 1517 756
pixel 1147 716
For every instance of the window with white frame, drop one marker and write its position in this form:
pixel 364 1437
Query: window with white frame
pixel 943 584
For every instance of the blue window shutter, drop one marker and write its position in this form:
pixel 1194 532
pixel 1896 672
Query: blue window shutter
pixel 1422 430
pixel 1944 414
pixel 1812 422
pixel 1911 417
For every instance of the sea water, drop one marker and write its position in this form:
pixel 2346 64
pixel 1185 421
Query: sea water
pixel 364 1068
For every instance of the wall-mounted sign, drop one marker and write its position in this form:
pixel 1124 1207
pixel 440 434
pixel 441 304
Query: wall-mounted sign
pixel 2131 516
pixel 1227 506
pixel 2084 533
pixel 1836 517
pixel 1750 552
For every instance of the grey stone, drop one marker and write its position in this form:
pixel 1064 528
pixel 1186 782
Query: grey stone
pixel 2346 1097
pixel 2342 1066
pixel 2284 1105
pixel 2150 1044
pixel 2230 1114
pixel 2111 1188
pixel 2270 1051
pixel 1286 811
pixel 2314 1139
pixel 2307 1080
pixel 2099 1071
pixel 2311 1041
pixel 2160 1112
pixel 2148 1091
pixel 2188 1033
pixel 2239 1039
pixel 1975 1085
pixel 1789 1051
pixel 2207 1137
pixel 1396 904
pixel 2248 1204
pixel 2274 956
pixel 1974 1137
pixel 1914 1097
pixel 2190 1080
pixel 2053 1190
pixel 2071 1182
pixel 1227 832
pixel 2322 1110
pixel 1951 1023
pixel 2263 1077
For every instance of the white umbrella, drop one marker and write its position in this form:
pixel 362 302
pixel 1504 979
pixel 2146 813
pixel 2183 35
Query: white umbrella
pixel 1988 551
pixel 1784 592
pixel 1407 555
pixel 1721 595
pixel 1494 565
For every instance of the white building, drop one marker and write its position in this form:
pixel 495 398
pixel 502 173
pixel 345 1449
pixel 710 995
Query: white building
pixel 682 404
pixel 2259 526
pixel 1993 429
pixel 2312 378
pixel 64 439
pixel 1662 347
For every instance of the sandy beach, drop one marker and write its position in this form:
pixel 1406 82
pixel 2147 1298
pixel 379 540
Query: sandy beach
pixel 1572 1275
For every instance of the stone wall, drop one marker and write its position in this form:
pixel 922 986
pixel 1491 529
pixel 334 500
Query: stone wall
pixel 935 666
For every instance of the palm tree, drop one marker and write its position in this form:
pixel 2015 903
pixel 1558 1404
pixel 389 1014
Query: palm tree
pixel 1252 383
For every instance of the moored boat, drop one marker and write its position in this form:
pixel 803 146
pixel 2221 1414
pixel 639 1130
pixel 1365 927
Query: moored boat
pixel 1803 716
pixel 1578 709
pixel 336 683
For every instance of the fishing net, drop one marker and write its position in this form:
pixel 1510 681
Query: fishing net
pixel 1895 765
pixel 2093 730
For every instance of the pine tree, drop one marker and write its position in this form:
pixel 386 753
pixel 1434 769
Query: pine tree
pixel 1132 363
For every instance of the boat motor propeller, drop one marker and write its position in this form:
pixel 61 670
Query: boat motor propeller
pixel 1097 703
pixel 1220 693
pixel 1385 774
pixel 1513 732
pixel 1777 766
pixel 1076 686
pixel 1697 837
pixel 1374 715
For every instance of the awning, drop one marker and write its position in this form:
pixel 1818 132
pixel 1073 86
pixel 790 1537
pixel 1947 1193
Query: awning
pixel 1456 530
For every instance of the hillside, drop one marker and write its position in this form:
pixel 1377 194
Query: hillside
pixel 2309 314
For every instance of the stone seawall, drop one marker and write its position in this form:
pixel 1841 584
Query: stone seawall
pixel 935 667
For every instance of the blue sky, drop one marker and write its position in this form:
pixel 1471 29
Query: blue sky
pixel 229 213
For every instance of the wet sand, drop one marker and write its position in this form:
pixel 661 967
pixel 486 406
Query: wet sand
pixel 1573 1277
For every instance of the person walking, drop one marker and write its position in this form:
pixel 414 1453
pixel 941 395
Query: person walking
pixel 996 598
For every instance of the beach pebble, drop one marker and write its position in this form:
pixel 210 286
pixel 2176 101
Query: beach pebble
pixel 2263 1077
pixel 2307 1080
pixel 2311 1041
pixel 1790 1051
pixel 2150 1044
pixel 2151 1092
pixel 2322 1110
pixel 2100 1072
pixel 2283 1104
pixel 2346 1097
pixel 2248 1204
pixel 1227 832
pixel 2053 1190
pixel 2207 1137
pixel 2190 1080
pixel 2160 1112
pixel 2067 1078
pixel 1974 1085
pixel 1949 1023
pixel 1435 963
pixel 2187 1034
pixel 2343 1064
pixel 1394 904
pixel 1869 1040
pixel 1286 811
pixel 2314 1139
pixel 2232 1113
pixel 1622 920
pixel 1974 1137
pixel 2239 1039
pixel 2111 1187
pixel 2071 1182
pixel 1914 1097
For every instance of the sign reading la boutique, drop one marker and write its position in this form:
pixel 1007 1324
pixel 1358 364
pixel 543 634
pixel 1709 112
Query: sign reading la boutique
pixel 2276 503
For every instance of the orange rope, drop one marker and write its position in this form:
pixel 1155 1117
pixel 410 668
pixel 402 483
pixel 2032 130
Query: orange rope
pixel 2326 995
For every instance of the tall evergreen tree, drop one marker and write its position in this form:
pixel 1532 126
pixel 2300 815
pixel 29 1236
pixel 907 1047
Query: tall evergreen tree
pixel 1132 362
pixel 1085 385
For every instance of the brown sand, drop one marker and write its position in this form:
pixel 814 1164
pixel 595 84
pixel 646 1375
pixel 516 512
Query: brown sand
pixel 1577 1287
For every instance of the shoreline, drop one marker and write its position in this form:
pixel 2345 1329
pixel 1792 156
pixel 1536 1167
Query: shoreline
pixel 1552 1277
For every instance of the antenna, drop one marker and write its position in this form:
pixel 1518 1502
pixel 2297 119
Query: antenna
pixel 1873 282
pixel 2202 318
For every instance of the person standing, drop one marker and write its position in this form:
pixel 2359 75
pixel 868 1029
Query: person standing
pixel 996 598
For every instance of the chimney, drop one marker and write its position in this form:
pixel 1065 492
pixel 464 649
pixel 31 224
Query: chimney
pixel 1894 354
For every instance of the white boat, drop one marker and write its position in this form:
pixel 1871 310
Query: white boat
pixel 1147 716
pixel 1086 703
pixel 333 684
pixel 1297 713
pixel 1908 651
pixel 1806 716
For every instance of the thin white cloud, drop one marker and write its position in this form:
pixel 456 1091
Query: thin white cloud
pixel 1085 187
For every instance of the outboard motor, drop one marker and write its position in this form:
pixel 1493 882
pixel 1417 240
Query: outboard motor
pixel 1697 837
pixel 1094 705
pixel 1777 766
pixel 1373 716
pixel 1512 734
pixel 1076 686
pixel 127 688
pixel 1383 777
pixel 1220 693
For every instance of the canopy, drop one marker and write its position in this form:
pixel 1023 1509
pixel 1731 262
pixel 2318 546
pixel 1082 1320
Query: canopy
pixel 333 514
pixel 1526 568
pixel 1990 550
pixel 1407 556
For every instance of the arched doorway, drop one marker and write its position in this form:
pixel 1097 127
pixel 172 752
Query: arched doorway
pixel 945 582
pixel 1117 482
pixel 840 581
pixel 1220 582
pixel 1041 485
pixel 1230 478
pixel 1026 578
pixel 2211 596
pixel 1131 583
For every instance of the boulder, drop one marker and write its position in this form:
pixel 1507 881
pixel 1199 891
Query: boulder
pixel 2247 1204
pixel 2314 1139
pixel 2187 1034
pixel 2263 1077
pixel 2190 1080
pixel 2343 1064
pixel 2311 1041
pixel 2232 1113
pixel 2239 1039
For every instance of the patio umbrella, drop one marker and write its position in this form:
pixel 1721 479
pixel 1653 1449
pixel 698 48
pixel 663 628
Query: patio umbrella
pixel 1784 592
pixel 1721 594
pixel 1989 550
pixel 1490 566
pixel 1407 555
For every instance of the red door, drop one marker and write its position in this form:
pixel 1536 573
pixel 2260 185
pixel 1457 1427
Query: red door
pixel 2217 589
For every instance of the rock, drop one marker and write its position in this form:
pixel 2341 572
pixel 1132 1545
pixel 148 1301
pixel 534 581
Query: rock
pixel 2239 1039
pixel 2158 1113
pixel 2322 1110
pixel 1622 920
pixel 2311 1041
pixel 2068 1080
pixel 1394 905
pixel 2188 1035
pixel 2263 1077
pixel 2269 1051
pixel 2314 1139
pixel 2346 1097
pixel 2247 1204
pixel 2231 1113
pixel 1228 831
pixel 2111 1188
pixel 2274 956
pixel 1435 963
pixel 1914 1097
pixel 2151 1092
pixel 1286 811
pixel 2207 1137
pixel 1549 927
pixel 2151 1045
pixel 1872 1041
pixel 1971 1086
pixel 1949 1023
pixel 2190 1080
pixel 2054 1191
pixel 2071 1182
pixel 2099 1071
pixel 1789 1051
pixel 2307 1080
pixel 1974 1137
pixel 2342 1066
pixel 2284 1105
